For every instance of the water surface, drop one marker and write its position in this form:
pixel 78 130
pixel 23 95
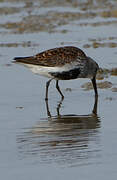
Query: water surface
pixel 58 140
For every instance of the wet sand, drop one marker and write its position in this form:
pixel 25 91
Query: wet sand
pixel 58 140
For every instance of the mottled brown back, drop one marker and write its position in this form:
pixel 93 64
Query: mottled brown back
pixel 54 57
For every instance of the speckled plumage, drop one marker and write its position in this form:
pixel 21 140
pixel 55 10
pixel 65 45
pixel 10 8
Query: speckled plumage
pixel 54 57
pixel 63 63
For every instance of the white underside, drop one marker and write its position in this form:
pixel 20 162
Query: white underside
pixel 45 71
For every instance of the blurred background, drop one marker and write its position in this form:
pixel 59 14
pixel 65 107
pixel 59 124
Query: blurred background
pixel 58 140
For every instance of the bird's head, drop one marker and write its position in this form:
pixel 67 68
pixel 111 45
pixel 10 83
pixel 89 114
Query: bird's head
pixel 93 67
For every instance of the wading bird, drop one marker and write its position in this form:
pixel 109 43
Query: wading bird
pixel 63 63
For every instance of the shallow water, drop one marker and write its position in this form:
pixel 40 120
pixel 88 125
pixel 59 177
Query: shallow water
pixel 58 140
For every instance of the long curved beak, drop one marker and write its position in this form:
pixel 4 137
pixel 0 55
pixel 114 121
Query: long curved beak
pixel 94 85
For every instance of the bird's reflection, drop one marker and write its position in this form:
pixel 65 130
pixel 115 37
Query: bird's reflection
pixel 63 139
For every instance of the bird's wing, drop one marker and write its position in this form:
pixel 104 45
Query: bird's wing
pixel 54 57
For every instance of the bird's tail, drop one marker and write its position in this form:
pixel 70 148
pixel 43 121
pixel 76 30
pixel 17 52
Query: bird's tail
pixel 25 60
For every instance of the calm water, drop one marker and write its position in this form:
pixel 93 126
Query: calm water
pixel 58 140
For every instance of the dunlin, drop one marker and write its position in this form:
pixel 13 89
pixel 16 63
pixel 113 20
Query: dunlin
pixel 63 63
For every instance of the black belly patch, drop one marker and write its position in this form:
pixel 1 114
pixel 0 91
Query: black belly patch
pixel 66 75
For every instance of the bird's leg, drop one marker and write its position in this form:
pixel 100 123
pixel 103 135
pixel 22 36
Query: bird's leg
pixel 47 86
pixel 58 108
pixel 94 85
pixel 47 108
pixel 57 87
pixel 95 105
